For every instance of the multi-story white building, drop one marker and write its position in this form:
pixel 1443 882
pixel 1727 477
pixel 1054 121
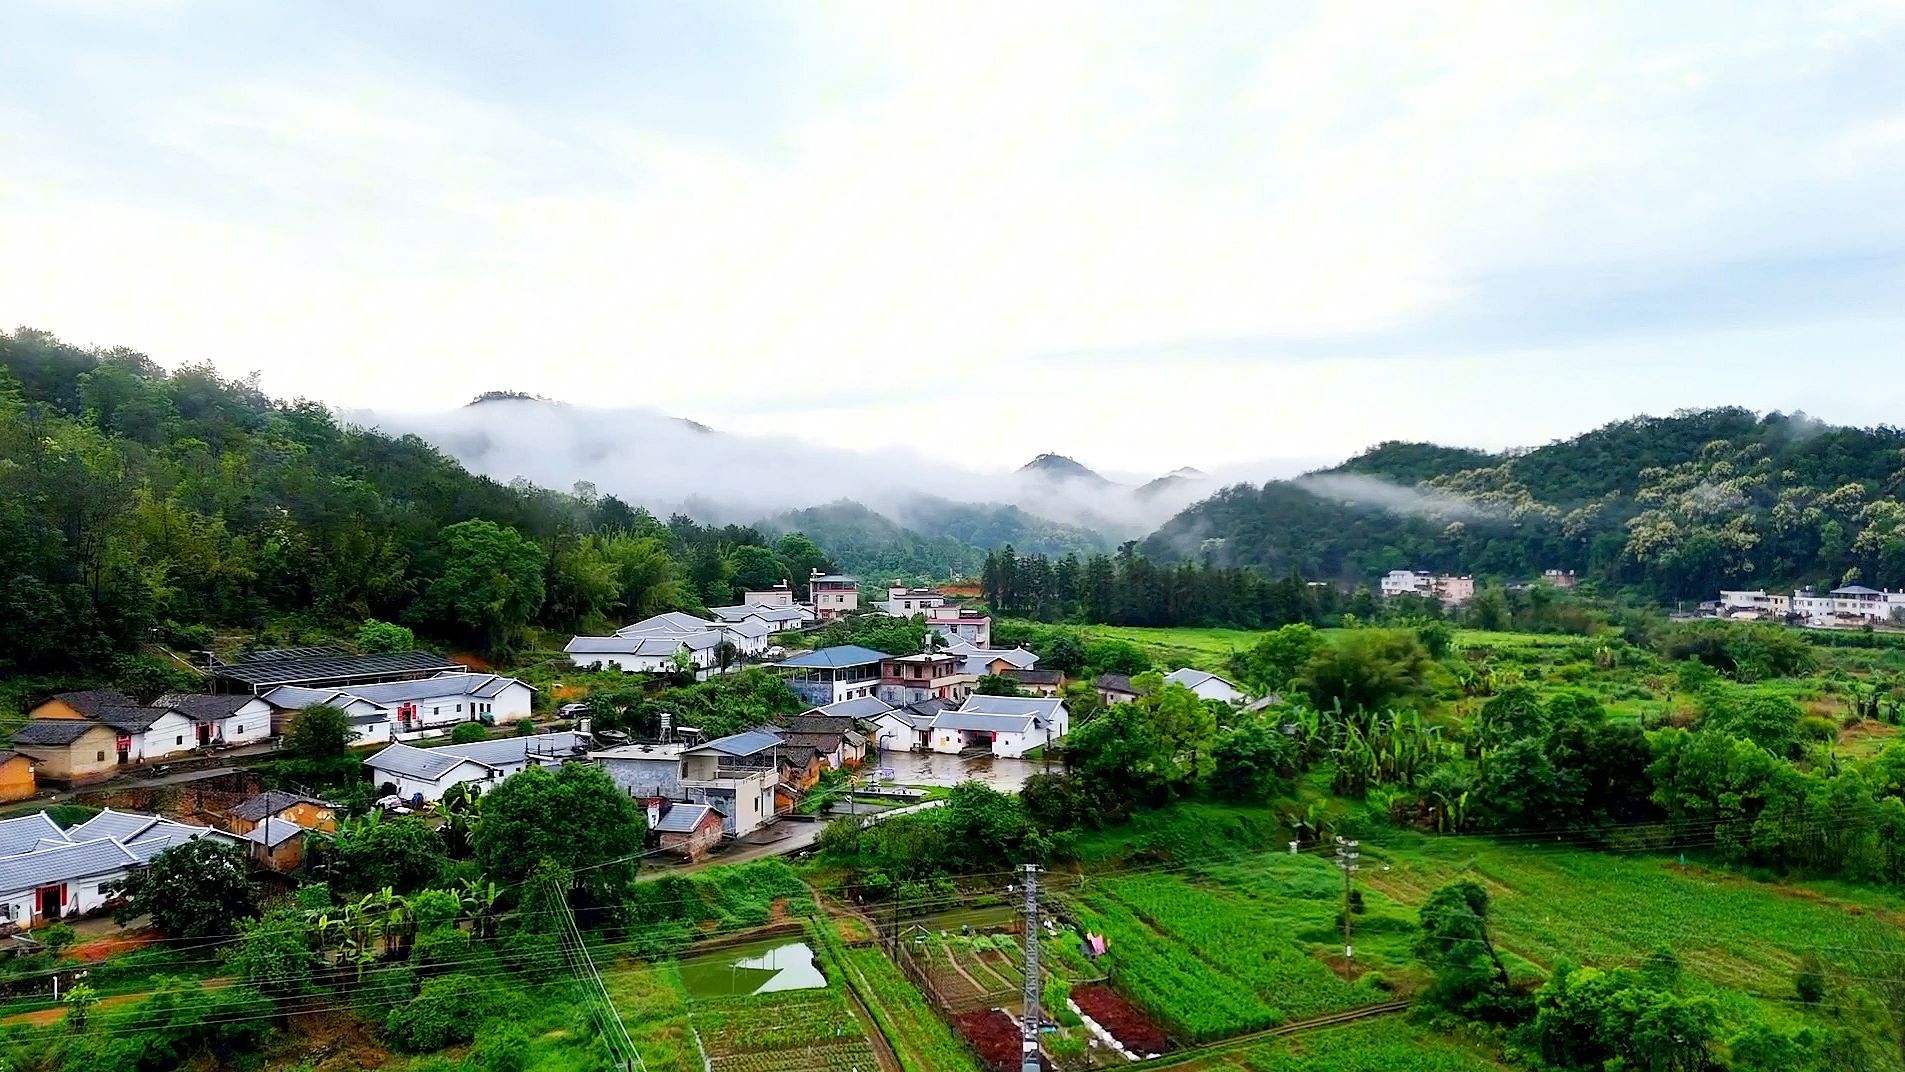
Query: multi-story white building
pixel 1448 588
pixel 1755 604
pixel 833 594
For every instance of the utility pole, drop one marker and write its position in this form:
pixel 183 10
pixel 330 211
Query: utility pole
pixel 1346 857
pixel 1031 1022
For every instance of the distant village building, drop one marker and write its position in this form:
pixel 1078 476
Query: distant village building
pixel 960 624
pixel 904 602
pixel 1450 589
pixel 781 595
pixel 1206 685
pixel 413 709
pixel 1559 578
pixel 427 773
pixel 689 830
pixel 833 594
pixel 1115 689
pixel 1006 726
pixel 939 675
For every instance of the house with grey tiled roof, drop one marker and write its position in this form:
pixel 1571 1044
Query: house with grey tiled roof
pixel 47 873
pixel 1007 726
pixel 428 773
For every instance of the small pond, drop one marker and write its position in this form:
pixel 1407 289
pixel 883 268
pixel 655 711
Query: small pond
pixel 756 968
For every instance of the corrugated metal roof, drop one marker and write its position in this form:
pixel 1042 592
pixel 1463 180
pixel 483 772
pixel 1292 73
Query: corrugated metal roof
pixel 273 832
pixel 745 743
pixel 858 707
pixel 1037 707
pixel 835 657
pixel 682 818
pixel 257 673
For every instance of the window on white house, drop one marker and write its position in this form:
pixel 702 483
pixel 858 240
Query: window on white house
pixel 241 730
pixel 178 740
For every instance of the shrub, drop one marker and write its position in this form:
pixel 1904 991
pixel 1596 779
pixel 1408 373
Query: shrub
pixel 501 1046
pixel 444 1013
pixel 1809 980
pixel 468 733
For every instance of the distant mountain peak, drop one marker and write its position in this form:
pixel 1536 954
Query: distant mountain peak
pixel 1059 467
pixel 1183 474
pixel 509 396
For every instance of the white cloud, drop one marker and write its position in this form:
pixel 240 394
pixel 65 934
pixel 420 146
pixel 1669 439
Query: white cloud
pixel 954 192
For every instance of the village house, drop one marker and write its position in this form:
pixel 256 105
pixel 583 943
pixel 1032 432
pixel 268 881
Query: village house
pixel 277 845
pixel 327 667
pixel 982 661
pixel 1452 590
pixel 907 728
pixel 904 602
pixel 691 830
pixel 781 595
pixel 1006 726
pixel 960 624
pixel 777 617
pixel 1036 682
pixel 227 718
pixel 414 709
pixel 17 778
pixel 829 675
pixel 836 740
pixel 141 733
pixel 1115 689
pixel 939 675
pixel 428 773
pixel 69 751
pixel 309 813
pixel 833 594
pixel 1559 578
pixel 47 873
pixel 738 776
pixel 644 770
pixel 654 644
pixel 1206 685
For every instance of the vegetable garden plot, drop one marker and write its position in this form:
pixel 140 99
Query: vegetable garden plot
pixel 924 1041
pixel 995 1035
pixel 1133 1030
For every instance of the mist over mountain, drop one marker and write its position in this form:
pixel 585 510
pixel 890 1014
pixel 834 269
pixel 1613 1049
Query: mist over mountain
pixel 932 512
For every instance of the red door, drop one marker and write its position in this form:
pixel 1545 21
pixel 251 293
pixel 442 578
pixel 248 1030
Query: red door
pixel 52 901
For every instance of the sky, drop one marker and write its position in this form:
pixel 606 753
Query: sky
pixel 1143 235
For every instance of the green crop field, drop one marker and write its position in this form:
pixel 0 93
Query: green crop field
pixel 1210 649
pixel 1390 1044
pixel 923 1041
pixel 1233 949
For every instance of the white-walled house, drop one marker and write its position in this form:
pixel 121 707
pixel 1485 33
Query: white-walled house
pixel 829 675
pixel 1007 726
pixel 149 733
pixel 227 718
pixel 428 773
pixel 413 710
pixel 778 617
pixel 749 636
pixel 47 873
pixel 1206 685
pixel 651 645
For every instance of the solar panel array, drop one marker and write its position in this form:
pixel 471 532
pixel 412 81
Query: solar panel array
pixel 330 665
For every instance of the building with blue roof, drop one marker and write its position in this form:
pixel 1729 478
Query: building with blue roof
pixel 829 675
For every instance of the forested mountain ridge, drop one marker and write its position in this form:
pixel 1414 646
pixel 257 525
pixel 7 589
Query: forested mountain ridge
pixel 140 505
pixel 1671 507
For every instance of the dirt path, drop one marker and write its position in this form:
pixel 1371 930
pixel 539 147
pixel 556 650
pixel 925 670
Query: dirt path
pixel 49 1017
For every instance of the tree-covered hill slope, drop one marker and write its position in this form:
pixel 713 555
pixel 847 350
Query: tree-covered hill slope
pixel 1672 507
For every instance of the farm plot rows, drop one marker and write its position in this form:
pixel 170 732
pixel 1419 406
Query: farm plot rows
pixel 1600 908
pixel 785 1031
pixel 1391 1044
pixel 923 1041
pixel 1211 962
pixel 971 972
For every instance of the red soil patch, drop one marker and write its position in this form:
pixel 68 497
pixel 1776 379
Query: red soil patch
pixel 112 945
pixel 1131 1028
pixel 994 1034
